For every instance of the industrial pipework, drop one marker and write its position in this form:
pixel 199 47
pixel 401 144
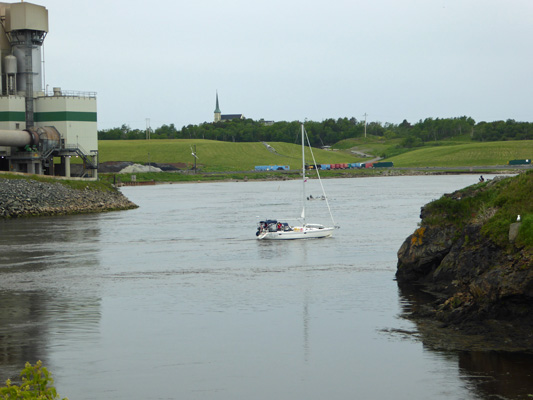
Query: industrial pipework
pixel 46 137
pixel 26 144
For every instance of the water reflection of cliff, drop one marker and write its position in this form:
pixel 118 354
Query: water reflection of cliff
pixel 503 374
pixel 45 294
pixel 491 374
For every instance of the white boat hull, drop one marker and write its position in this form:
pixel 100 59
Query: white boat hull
pixel 306 232
pixel 272 229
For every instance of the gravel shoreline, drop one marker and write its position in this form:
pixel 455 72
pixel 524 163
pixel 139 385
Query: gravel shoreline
pixel 26 197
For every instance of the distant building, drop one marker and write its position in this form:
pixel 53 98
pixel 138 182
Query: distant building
pixel 225 117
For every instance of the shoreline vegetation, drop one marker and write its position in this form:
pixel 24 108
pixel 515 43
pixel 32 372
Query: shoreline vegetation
pixel 150 178
pixel 473 254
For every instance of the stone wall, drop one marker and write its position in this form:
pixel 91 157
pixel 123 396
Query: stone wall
pixel 26 197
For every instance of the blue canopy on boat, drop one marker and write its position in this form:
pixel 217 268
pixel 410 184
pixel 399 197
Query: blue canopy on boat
pixel 269 221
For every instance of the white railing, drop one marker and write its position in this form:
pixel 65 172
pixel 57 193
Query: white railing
pixel 69 93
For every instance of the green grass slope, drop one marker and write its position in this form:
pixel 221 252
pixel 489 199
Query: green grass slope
pixel 372 145
pixel 494 205
pixel 214 155
pixel 469 154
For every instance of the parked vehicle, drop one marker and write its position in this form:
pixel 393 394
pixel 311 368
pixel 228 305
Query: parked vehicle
pixel 520 162
pixel 383 164
pixel 272 168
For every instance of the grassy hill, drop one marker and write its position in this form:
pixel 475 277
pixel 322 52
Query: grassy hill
pixel 456 152
pixel 214 155
pixel 375 145
pixel 468 154
pixel 217 156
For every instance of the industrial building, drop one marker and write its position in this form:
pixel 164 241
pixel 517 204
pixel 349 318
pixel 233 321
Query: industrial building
pixel 41 131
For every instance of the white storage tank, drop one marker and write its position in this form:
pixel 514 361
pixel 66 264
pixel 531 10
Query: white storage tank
pixel 10 65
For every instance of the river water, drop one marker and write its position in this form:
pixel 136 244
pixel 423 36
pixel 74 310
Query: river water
pixel 178 300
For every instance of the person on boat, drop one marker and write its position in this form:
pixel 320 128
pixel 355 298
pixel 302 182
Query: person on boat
pixel 263 226
pixel 279 226
pixel 481 179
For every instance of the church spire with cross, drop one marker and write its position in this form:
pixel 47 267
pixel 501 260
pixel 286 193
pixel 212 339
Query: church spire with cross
pixel 218 114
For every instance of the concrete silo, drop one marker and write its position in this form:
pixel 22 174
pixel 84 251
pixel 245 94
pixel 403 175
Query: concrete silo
pixel 40 132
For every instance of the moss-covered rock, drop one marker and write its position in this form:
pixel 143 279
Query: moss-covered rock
pixel 462 253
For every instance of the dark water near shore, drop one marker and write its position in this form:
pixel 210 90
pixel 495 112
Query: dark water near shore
pixel 177 299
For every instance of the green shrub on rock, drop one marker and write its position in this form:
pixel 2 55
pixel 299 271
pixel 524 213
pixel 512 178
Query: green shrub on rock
pixel 35 385
pixel 525 234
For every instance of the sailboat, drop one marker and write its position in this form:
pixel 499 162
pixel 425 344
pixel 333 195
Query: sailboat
pixel 272 229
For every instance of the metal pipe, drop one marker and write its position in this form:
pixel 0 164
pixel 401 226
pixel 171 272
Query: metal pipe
pixel 29 78
pixel 17 138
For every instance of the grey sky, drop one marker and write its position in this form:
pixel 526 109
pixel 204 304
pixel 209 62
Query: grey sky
pixel 294 59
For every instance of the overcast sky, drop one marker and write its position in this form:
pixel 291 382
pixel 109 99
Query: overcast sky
pixel 294 59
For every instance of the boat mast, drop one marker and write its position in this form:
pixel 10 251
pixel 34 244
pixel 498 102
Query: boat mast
pixel 303 175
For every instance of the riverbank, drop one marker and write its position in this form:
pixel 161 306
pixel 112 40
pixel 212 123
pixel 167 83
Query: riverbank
pixel 26 196
pixel 473 252
pixel 23 195
pixel 187 176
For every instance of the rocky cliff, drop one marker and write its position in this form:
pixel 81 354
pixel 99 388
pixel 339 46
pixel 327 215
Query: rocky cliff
pixel 471 252
pixel 23 197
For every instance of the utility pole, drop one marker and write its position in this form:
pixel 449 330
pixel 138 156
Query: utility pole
pixel 195 157
pixel 193 152
pixel 147 128
pixel 365 115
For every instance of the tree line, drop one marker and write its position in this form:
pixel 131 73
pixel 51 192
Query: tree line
pixel 331 131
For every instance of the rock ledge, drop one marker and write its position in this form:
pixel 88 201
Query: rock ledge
pixel 27 197
pixel 480 286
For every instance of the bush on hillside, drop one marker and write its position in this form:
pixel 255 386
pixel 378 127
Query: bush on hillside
pixel 494 204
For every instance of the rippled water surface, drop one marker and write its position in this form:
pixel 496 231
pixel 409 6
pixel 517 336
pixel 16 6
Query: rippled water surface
pixel 177 299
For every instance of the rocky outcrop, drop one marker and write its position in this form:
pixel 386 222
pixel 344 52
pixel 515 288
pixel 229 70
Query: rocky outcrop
pixel 27 197
pixel 481 285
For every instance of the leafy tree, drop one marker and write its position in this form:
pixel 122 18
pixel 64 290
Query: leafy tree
pixel 375 128
pixel 110 134
pixel 331 131
pixel 35 385
pixel 411 141
pixel 166 132
pixel 405 125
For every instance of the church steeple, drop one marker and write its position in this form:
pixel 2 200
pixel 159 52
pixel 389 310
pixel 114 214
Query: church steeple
pixel 218 114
